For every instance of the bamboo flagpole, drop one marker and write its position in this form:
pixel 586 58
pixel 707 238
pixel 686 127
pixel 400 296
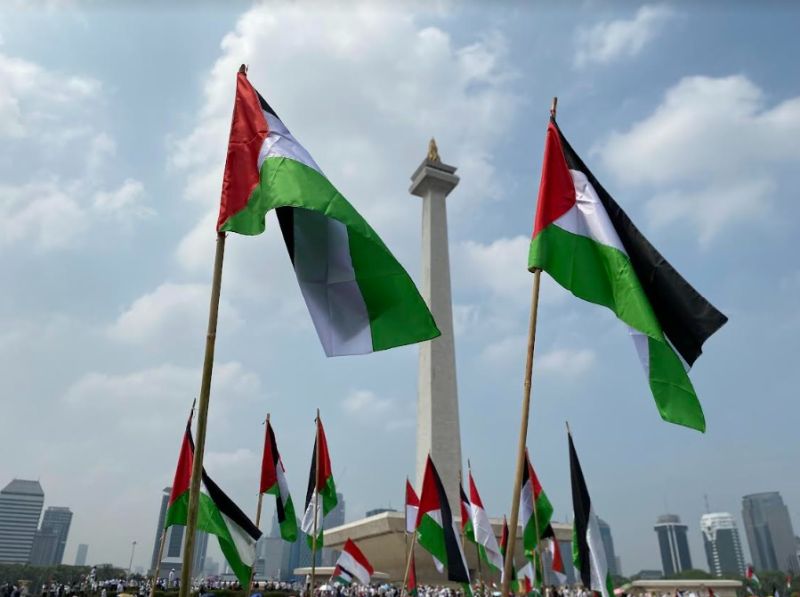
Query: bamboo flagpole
pixel 316 509
pixel 202 420
pixel 258 510
pixel 164 530
pixel 523 428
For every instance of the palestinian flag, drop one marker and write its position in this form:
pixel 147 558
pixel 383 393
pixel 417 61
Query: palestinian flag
pixel 354 563
pixel 411 583
pixel 584 240
pixel 488 549
pixel 273 481
pixel 526 579
pixel 216 514
pixel 588 553
pixel 360 298
pixel 321 489
pixel 554 555
pixel 341 576
pixel 751 576
pixel 503 548
pixel 412 508
pixel 535 509
pixel 436 530
pixel 466 514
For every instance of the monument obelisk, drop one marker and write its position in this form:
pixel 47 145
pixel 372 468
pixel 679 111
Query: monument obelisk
pixel 438 430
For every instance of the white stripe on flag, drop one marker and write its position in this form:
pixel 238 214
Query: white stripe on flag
pixel 280 143
pixel 411 518
pixel 353 566
pixel 245 544
pixel 307 524
pixel 597 556
pixel 484 535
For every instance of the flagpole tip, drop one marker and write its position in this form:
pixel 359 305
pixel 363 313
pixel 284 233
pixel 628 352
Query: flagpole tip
pixel 243 70
pixel 554 107
pixel 569 432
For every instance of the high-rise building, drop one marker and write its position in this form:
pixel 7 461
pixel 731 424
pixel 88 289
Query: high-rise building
pixel 608 546
pixel 722 544
pixel 172 558
pixel 334 518
pixel 673 543
pixel 81 556
pixel 21 504
pixel 769 532
pixel 56 521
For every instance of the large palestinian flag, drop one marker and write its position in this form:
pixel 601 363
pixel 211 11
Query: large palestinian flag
pixel 535 509
pixel 354 564
pixel 483 533
pixel 216 514
pixel 360 298
pixel 273 481
pixel 321 493
pixel 436 530
pixel 588 553
pixel 584 240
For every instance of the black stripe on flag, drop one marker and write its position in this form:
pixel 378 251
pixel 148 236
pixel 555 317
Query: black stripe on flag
pixel 276 462
pixel 286 222
pixel 265 106
pixel 686 317
pixel 582 507
pixel 312 477
pixel 226 506
pixel 456 570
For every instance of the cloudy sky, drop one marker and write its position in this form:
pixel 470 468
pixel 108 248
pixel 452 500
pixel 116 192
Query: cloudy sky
pixel 113 127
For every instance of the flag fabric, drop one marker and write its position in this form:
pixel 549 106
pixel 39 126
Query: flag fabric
pixel 411 583
pixel 554 555
pixel 503 548
pixel 360 298
pixel 466 514
pixel 588 553
pixel 584 240
pixel 216 514
pixel 321 492
pixel 273 481
pixel 526 579
pixel 412 508
pixel 354 563
pixel 488 549
pixel 341 576
pixel 751 576
pixel 535 509
pixel 436 530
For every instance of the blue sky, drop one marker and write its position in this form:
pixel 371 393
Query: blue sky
pixel 114 123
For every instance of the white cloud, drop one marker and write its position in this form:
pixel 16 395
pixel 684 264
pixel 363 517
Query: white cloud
pixel 170 310
pixel 506 351
pixel 711 151
pixel 364 403
pixel 608 41
pixel 565 362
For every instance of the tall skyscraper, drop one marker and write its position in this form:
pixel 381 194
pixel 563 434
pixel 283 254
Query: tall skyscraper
pixel 81 556
pixel 173 545
pixel 608 546
pixel 769 532
pixel 21 504
pixel 722 544
pixel 56 521
pixel 334 518
pixel 673 543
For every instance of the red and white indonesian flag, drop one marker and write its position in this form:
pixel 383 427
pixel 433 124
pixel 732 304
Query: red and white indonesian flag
pixel 488 548
pixel 554 555
pixel 412 508
pixel 354 563
pixel 360 298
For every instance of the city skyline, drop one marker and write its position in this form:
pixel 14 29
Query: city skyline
pixel 110 168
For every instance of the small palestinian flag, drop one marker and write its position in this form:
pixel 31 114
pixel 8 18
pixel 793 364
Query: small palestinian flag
pixel 360 298
pixel 588 553
pixel 411 583
pixel 341 576
pixel 321 489
pixel 436 531
pixel 273 481
pixel 535 509
pixel 526 579
pixel 554 555
pixel 584 240
pixel 751 576
pixel 412 508
pixel 216 514
pixel 466 514
pixel 488 549
pixel 354 563
pixel 503 548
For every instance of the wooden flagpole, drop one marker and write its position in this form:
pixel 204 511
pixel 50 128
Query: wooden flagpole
pixel 202 418
pixel 523 428
pixel 258 513
pixel 408 563
pixel 316 509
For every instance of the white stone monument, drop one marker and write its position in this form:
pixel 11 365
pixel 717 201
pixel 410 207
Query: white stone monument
pixel 438 430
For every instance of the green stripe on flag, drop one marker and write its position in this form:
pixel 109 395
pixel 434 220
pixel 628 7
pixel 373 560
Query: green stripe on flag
pixel 430 535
